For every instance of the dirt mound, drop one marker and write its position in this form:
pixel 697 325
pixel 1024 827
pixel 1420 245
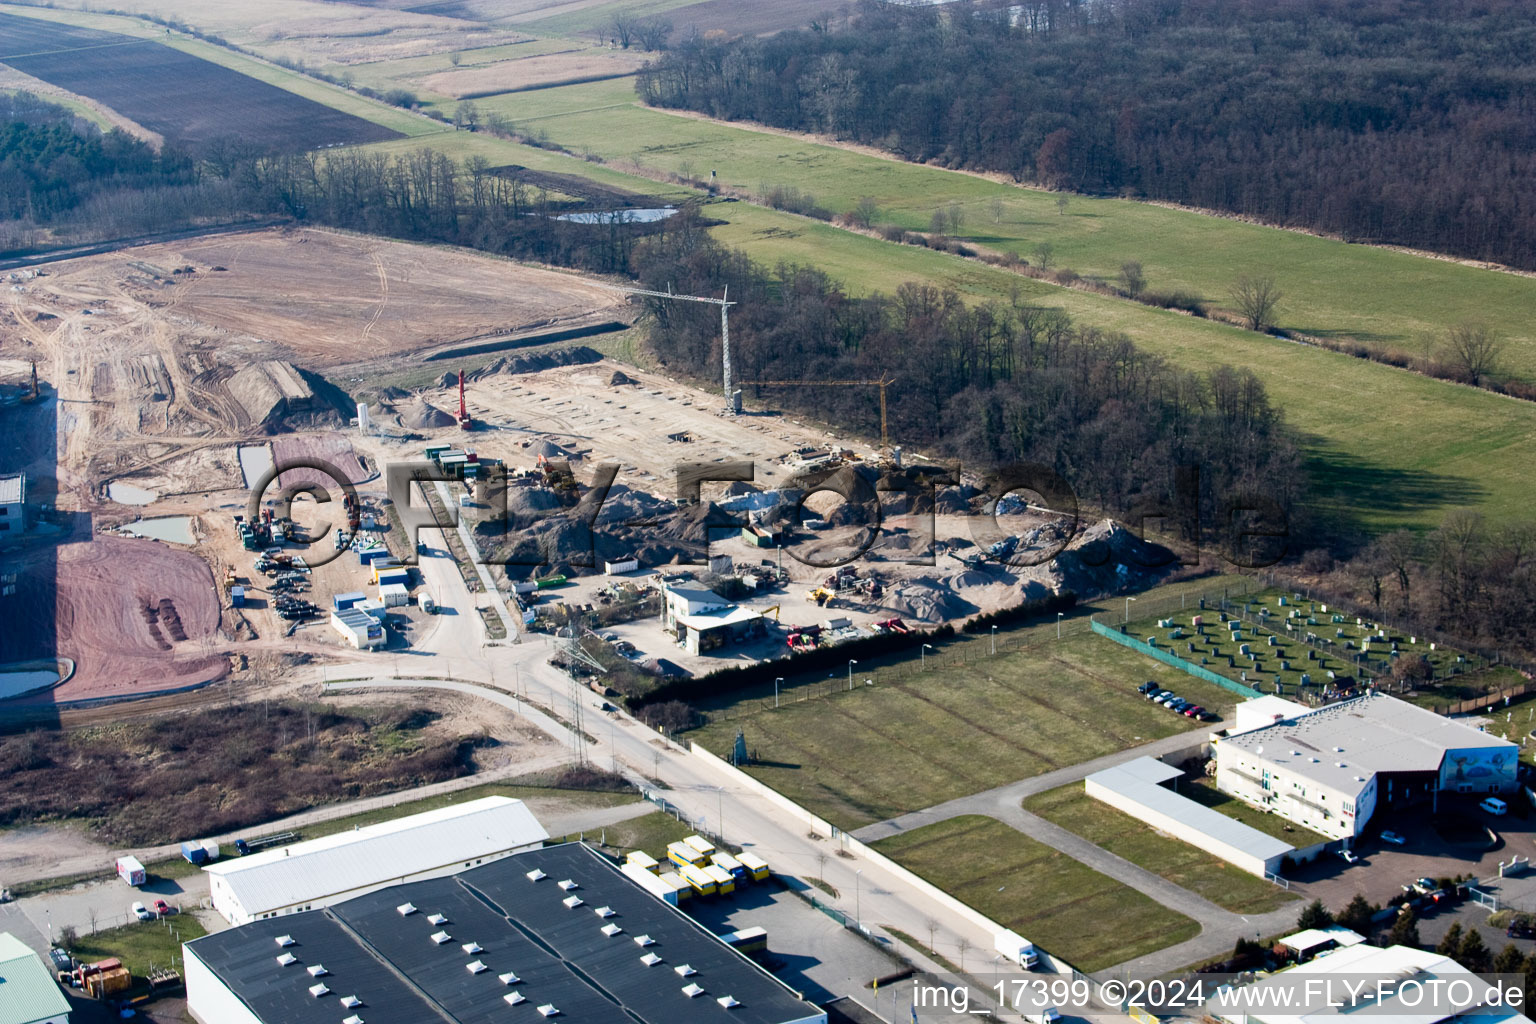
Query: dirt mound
pixel 390 393
pixel 547 448
pixel 1107 558
pixel 448 380
pixel 620 378
pixel 533 363
pixel 421 415
pixel 532 500
pixel 928 601
pixel 277 395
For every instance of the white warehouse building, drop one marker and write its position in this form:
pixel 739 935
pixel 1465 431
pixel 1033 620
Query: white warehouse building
pixel 326 871
pixel 1331 768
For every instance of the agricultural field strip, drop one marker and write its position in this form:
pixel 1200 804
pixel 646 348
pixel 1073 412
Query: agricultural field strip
pixel 1412 298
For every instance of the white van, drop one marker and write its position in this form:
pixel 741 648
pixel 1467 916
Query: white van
pixel 1493 805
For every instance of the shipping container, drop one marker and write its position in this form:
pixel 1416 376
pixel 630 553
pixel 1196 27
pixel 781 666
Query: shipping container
pixel 724 883
pixel 684 855
pixel 341 602
pixel 699 880
pixel 394 574
pixel 549 581
pixel 701 844
pixel 130 870
pixel 641 859
pixel 237 596
pixel 211 848
pixel 434 450
pixel 193 851
pixel 755 865
pixel 394 595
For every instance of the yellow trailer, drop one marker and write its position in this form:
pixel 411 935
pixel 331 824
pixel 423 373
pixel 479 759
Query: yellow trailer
pixel 755 865
pixel 684 856
pixel 699 880
pixel 677 883
pixel 641 859
pixel 701 844
pixel 724 883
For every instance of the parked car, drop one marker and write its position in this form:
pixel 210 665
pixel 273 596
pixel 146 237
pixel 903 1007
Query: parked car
pixel 1425 886
pixel 1165 697
pixel 163 909
pixel 1156 695
pixel 1349 856
pixel 141 912
pixel 1194 711
pixel 1207 716
pixel 1177 704
pixel 1148 687
pixel 1393 838
pixel 1493 805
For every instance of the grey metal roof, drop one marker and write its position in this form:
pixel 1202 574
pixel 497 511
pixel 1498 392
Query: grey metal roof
pixel 560 954
pixel 319 868
pixel 13 489
pixel 1343 745
pixel 1139 780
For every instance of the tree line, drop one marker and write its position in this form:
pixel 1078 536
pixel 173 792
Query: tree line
pixel 991 384
pixel 1396 121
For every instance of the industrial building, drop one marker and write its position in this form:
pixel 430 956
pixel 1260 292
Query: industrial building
pixel 1331 768
pixel 13 503
pixel 1139 788
pixel 701 620
pixel 358 628
pixel 28 993
pixel 1410 974
pixel 549 933
pixel 323 872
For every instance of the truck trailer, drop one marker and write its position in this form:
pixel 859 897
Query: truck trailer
pixel 1018 949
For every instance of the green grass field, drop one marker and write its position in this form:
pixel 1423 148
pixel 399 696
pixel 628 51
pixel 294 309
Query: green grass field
pixel 650 832
pixel 1332 289
pixel 142 946
pixel 914 739
pixel 1067 908
pixel 1182 864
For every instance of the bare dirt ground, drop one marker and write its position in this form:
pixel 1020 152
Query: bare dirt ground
pixel 535 72
pixel 135 615
pixel 316 296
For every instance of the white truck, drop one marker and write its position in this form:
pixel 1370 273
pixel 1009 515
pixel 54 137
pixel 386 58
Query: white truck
pixel 427 604
pixel 1018 949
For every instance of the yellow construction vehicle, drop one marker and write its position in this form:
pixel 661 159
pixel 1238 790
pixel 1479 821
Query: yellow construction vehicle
pixel 821 595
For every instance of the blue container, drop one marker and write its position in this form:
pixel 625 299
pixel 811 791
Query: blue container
pixel 237 596
pixel 193 851
pixel 341 602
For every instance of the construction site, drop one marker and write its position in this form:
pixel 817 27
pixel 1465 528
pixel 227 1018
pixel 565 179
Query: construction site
pixel 169 379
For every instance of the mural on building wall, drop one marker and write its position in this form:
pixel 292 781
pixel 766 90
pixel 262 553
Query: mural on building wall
pixel 1478 768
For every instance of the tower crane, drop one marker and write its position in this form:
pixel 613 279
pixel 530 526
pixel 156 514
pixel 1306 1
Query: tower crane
pixel 725 327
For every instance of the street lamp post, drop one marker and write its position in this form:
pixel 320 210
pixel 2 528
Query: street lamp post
pixel 858 918
pixel 1128 608
pixel 1058 624
pixel 922 657
pixel 720 810
pixel 994 639
pixel 777 680
pixel 851 663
